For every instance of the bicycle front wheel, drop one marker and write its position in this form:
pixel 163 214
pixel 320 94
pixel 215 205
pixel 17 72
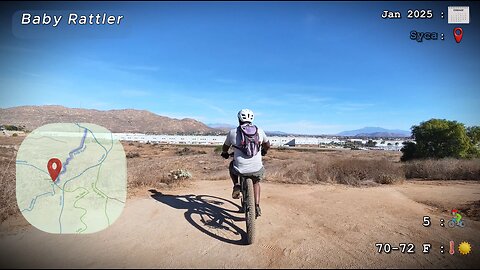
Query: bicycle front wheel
pixel 451 224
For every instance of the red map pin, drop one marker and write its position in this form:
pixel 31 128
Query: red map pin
pixel 54 167
pixel 458 34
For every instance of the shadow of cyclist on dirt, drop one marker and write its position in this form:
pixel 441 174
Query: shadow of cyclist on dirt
pixel 208 214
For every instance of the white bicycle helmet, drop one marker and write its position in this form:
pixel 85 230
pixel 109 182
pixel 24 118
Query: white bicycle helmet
pixel 245 115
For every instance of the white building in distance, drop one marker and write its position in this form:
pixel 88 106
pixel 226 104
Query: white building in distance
pixel 276 141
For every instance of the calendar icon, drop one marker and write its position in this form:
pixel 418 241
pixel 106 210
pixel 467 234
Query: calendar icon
pixel 458 15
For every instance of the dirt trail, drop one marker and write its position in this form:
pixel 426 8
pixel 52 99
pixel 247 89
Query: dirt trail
pixel 302 226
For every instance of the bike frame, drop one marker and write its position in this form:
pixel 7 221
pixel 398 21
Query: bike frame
pixel 243 190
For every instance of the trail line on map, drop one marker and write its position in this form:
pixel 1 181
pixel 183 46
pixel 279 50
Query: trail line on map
pixel 66 182
pixel 85 210
pixel 47 137
pixel 102 193
pixel 34 200
pixel 82 143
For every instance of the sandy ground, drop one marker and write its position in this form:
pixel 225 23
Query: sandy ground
pixel 302 226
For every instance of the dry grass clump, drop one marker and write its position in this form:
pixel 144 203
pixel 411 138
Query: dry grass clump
pixel 355 172
pixel 133 155
pixel 326 169
pixel 153 173
pixel 189 151
pixel 443 169
pixel 8 202
pixel 472 210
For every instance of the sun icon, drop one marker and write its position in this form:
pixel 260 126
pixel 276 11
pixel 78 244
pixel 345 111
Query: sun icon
pixel 464 248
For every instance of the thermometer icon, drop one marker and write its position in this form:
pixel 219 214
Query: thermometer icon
pixel 452 247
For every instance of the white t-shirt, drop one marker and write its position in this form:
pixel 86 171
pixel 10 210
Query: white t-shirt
pixel 241 162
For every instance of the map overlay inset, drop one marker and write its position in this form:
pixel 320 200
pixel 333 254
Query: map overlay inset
pixel 90 191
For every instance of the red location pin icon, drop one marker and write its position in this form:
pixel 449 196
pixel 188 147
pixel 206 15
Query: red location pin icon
pixel 54 167
pixel 458 34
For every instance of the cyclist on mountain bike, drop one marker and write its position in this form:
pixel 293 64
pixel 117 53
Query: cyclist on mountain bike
pixel 457 216
pixel 250 143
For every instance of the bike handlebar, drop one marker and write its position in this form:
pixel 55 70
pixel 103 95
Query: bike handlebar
pixel 232 154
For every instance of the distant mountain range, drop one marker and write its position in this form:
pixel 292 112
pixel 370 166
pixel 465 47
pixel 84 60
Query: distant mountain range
pixel 220 126
pixel 227 127
pixel 375 132
pixel 276 133
pixel 372 132
pixel 128 120
pixel 141 121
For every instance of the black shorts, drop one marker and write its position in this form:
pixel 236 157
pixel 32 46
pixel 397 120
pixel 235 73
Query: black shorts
pixel 255 176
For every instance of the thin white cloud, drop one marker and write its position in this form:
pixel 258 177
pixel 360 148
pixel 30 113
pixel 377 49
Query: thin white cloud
pixel 208 104
pixel 25 72
pixel 113 67
pixel 31 74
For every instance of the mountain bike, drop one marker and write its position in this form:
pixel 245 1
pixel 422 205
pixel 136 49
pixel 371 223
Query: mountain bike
pixel 248 205
pixel 453 222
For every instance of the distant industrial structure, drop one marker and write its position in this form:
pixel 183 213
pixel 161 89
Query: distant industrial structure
pixel 276 141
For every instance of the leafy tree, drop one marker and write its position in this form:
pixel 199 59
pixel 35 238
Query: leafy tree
pixel 474 134
pixel 349 144
pixel 11 127
pixel 438 138
pixel 371 143
pixel 409 151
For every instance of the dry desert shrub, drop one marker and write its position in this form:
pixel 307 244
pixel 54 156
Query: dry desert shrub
pixel 318 168
pixel 153 173
pixel 8 202
pixel 443 169
pixel 132 155
pixel 189 151
pixel 472 210
pixel 357 171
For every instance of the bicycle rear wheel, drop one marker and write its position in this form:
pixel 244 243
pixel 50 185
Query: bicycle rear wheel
pixel 250 216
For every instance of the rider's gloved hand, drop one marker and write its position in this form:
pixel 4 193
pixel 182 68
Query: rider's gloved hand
pixel 225 155
pixel 264 152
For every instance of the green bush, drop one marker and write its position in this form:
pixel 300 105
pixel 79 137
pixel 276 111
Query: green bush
pixel 133 155
pixel 218 149
pixel 440 138
pixel 409 151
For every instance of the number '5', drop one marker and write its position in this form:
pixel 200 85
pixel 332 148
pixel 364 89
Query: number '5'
pixel 426 221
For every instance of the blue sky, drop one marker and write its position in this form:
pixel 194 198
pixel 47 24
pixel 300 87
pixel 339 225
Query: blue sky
pixel 305 67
